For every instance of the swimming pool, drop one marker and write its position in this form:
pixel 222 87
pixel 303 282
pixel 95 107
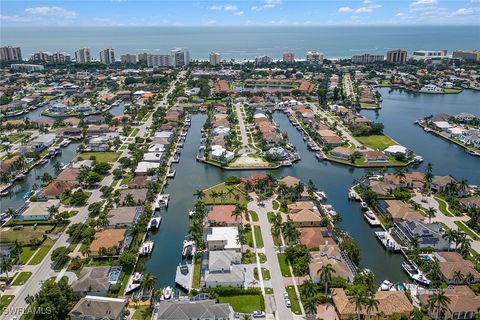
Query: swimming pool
pixel 114 274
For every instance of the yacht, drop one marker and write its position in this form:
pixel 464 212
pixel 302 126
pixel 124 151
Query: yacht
pixel 386 286
pixel 191 213
pixel 171 174
pixel 414 273
pixel 188 248
pixel 137 277
pixel 167 293
pixel 154 223
pixel 322 195
pixel 146 248
pixel 364 205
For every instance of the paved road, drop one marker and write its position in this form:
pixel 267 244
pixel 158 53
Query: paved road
pixel 440 217
pixel 43 271
pixel 348 86
pixel 282 312
pixel 243 130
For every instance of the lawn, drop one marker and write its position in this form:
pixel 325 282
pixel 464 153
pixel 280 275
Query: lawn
pixel 142 313
pixel 275 204
pixel 107 156
pixel 258 237
pixel 26 254
pixel 462 226
pixel 293 299
pixel 365 105
pixel 42 252
pixel 228 198
pixel 265 274
pixel 442 206
pixel 282 261
pixel 24 234
pixel 14 137
pixel 452 90
pixel 243 303
pixel 196 272
pixel 378 142
pixel 254 215
pixel 21 278
pixel 5 301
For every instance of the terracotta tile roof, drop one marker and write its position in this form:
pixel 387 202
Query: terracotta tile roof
pixel 401 210
pixel 290 181
pixel 107 239
pixel 462 299
pixel 56 188
pixel 223 214
pixel 328 254
pixel 313 237
pixel 68 174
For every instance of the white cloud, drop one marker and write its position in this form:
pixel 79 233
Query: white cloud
pixel 216 8
pixel 367 1
pixel 267 4
pixel 51 11
pixel 345 9
pixel 230 7
pixel 239 13
pixel 464 12
pixel 364 10
pixel 422 5
pixel 256 8
pixel 14 18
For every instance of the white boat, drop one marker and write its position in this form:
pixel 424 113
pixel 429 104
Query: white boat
pixel 191 213
pixel 322 195
pixel 20 176
pixel 418 159
pixel 146 248
pixel 386 286
pixel 176 159
pixel 4 193
pixel 167 293
pixel 371 218
pixel 352 195
pixel 137 277
pixel 387 240
pixel 364 205
pixel 154 223
pixel 414 273
pixel 171 174
pixel 188 248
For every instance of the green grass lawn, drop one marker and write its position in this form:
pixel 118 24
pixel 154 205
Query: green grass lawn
pixel 462 226
pixel 282 261
pixel 442 206
pixel 452 90
pixel 262 257
pixel 5 301
pixel 258 237
pixel 265 274
pixel 254 215
pixel 42 252
pixel 243 303
pixel 142 313
pixel 14 137
pixel 378 142
pixel 197 272
pixel 25 234
pixel 26 254
pixel 365 105
pixel 270 216
pixel 227 199
pixel 293 299
pixel 107 156
pixel 21 278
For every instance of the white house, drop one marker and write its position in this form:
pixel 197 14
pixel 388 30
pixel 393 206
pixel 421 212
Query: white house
pixel 431 88
pixel 219 153
pixel 224 269
pixel 153 157
pixel 396 149
pixel 143 167
pixel 38 210
pixel 222 238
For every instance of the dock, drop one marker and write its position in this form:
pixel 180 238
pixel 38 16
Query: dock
pixel 154 223
pixel 161 201
pixel 387 241
pixel 184 275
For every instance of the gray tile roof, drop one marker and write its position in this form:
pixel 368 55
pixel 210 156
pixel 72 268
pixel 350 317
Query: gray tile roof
pixel 186 310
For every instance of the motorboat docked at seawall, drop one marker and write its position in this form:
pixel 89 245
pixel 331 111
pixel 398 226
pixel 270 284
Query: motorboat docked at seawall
pixel 154 223
pixel 364 205
pixel 371 218
pixel 191 213
pixel 167 293
pixel 146 248
pixel 321 195
pixel 386 286
pixel 188 248
pixel 414 273
pixel 171 174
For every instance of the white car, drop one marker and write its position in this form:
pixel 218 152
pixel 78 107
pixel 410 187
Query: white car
pixel 288 303
pixel 258 314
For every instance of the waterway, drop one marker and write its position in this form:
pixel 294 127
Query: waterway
pixel 18 190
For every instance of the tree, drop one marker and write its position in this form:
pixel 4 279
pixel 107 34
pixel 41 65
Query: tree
pixel 6 265
pixel 359 300
pixel 451 236
pixel 438 303
pixel 430 214
pixel 458 276
pixel 127 260
pixel 60 255
pixel 148 282
pixel 310 306
pixel 325 275
pixel 371 304
pixel 199 194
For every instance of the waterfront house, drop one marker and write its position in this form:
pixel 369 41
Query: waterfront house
pixel 92 281
pixel 155 148
pixel 464 303
pixel 391 304
pixel 328 137
pixel 42 142
pixel 222 238
pixel 165 134
pixel 59 109
pixel 451 263
pixel 429 235
pixel 465 117
pixel 153 157
pixel 69 175
pixel 313 237
pixel 96 308
pixel 224 269
pixel 138 195
pixel 342 153
pixel 97 130
pixel 38 210
pixel 379 187
pixel 10 164
pixel 56 188
pixel 72 132
pixel 193 309
pixel 99 144
pixel 303 214
pixel 414 179
pixel 470 202
pixel 144 166
pixel 329 254
pixel 441 183
pixel 94 119
pixel 289 181
pixel 123 217
pixel 395 150
pixel 399 210
pixel 221 215
pixel 139 182
pixel 109 238
pixel 219 153
pixel 374 156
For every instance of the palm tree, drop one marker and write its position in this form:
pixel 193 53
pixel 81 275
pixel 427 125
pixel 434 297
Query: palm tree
pixel 289 232
pixel 310 306
pixel 464 244
pixel 199 194
pixel 400 173
pixel 309 289
pixel 451 236
pixel 463 185
pixel 458 276
pixel 240 210
pixel 325 275
pixel 359 300
pixel 148 282
pixel 246 316
pixel 214 195
pixel 430 212
pixel 438 302
pixel 6 265
pixel 230 192
pixel 371 303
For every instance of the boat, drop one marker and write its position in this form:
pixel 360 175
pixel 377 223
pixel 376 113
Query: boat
pixel 154 223
pixel 414 273
pixel 176 159
pixel 371 218
pixel 387 286
pixel 387 240
pixel 20 176
pixel 146 248
pixel 364 205
pixel 27 195
pixel 418 159
pixel 171 174
pixel 43 161
pixel 191 213
pixel 352 195
pixel 167 293
pixel 188 248
pixel 4 193
pixel 322 195
pixel 320 155
pixel 162 200
pixel 137 277
pixel 286 163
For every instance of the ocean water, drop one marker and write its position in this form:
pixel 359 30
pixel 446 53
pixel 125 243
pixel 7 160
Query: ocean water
pixel 242 42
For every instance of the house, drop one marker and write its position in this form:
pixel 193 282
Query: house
pixel 330 254
pixel 99 308
pixel 42 142
pixel 379 187
pixel 10 164
pixel 289 181
pixel 99 144
pixel 452 263
pixel 399 210
pixel 92 281
pixel 56 188
pixel 303 214
pixel 313 237
pixel 110 238
pixel 374 156
pixel 221 215
pixel 69 175
pixel 414 179
pixel 144 166
pixel 138 182
pixel 72 132
pixel 123 217
pixel 193 309
pixel 465 117
pixel 97 130
pixel 94 119
pixel 328 137
pixel 395 150
pixel 137 195
pixel 6 250
pixel 342 153
pixel 224 269
pixel 429 235
pixel 470 202
pixel 38 210
pixel 219 153
pixel 391 304
pixel 222 238
pixel 441 183
pixel 464 303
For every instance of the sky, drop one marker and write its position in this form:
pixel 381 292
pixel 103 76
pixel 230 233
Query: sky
pixel 238 13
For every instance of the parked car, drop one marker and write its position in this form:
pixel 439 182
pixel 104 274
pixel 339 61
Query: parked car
pixel 288 303
pixel 258 314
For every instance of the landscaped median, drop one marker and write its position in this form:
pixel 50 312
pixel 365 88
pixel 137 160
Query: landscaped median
pixel 5 301
pixel 292 295
pixel 462 226
pixel 21 278
pixel 282 261
pixel 42 252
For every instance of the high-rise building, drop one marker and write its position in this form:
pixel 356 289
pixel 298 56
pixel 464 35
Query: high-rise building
pixel 60 57
pixel 467 55
pixel 263 60
pixel 142 57
pixel 367 58
pixel 429 54
pixel 82 55
pixel 179 57
pixel 315 57
pixel 128 58
pixel 107 56
pixel 214 58
pixel 288 57
pixel 397 56
pixel 41 56
pixel 158 60
pixel 9 53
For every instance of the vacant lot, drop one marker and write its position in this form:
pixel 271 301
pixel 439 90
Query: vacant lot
pixel 243 303
pixel 377 142
pixel 100 156
pixel 23 234
pixel 223 194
